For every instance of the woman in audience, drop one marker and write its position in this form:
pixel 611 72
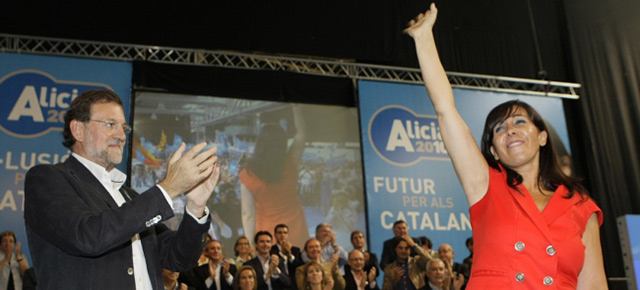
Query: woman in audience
pixel 245 279
pixel 315 278
pixel 12 262
pixel 242 250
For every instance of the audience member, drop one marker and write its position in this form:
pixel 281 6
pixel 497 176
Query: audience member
pixel 12 262
pixel 217 274
pixel 87 230
pixel 356 277
pixel 170 281
pixel 406 272
pixel 327 238
pixel 446 254
pixel 426 244
pixel 270 271
pixel 290 255
pixel 313 250
pixel 438 278
pixel 245 279
pixel 203 258
pixel 242 250
pixel 400 228
pixel 314 278
pixel 370 259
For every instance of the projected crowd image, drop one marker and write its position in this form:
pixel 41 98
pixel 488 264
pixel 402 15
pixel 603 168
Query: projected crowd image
pixel 297 164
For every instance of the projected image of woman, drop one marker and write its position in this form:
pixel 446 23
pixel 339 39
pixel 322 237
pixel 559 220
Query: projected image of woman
pixel 533 226
pixel 269 182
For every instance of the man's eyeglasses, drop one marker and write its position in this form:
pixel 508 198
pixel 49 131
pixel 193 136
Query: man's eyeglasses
pixel 113 126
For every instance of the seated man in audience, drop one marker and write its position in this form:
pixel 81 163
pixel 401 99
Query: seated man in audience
pixel 400 228
pixel 439 279
pixel 270 270
pixel 446 254
pixel 290 255
pixel 313 250
pixel 216 274
pixel 170 281
pixel 355 277
pixel 327 238
pixel 406 272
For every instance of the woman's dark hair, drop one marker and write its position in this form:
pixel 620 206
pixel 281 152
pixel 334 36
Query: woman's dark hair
pixel 80 109
pixel 267 161
pixel 551 175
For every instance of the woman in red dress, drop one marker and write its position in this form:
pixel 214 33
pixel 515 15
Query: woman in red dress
pixel 269 180
pixel 533 226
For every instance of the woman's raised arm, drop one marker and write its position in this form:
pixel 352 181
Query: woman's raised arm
pixel 470 165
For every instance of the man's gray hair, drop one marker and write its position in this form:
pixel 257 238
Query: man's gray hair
pixel 432 261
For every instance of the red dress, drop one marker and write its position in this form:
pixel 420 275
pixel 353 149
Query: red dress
pixel 278 203
pixel 519 247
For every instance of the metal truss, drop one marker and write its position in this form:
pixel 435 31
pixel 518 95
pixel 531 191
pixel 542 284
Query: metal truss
pixel 227 59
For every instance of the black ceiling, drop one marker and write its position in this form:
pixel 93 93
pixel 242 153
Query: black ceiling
pixel 492 37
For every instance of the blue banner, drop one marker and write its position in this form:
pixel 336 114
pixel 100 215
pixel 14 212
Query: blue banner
pixel 35 93
pixel 408 173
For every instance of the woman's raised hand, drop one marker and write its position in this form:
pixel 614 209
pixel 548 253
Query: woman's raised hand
pixel 423 22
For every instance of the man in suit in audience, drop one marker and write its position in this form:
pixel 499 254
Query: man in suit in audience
pixel 170 281
pixel 400 228
pixel 217 274
pixel 437 277
pixel 355 277
pixel 289 254
pixel 270 270
pixel 446 254
pixel 406 272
